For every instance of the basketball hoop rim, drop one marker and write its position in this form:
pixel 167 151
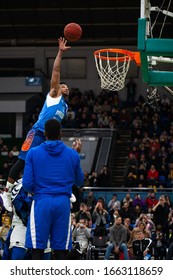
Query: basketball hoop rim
pixel 128 55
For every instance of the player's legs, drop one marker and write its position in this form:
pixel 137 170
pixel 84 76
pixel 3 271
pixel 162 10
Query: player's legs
pixel 60 235
pixel 50 218
pixel 34 138
pixel 15 170
pixel 39 222
pixel 17 242
pixel 18 253
pixel 37 254
pixel 19 164
pixel 46 256
pixel 61 254
pixel 13 174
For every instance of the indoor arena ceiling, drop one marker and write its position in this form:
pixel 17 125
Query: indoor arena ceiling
pixel 41 22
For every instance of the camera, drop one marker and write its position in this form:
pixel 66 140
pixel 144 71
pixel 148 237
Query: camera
pixel 159 235
pixel 81 225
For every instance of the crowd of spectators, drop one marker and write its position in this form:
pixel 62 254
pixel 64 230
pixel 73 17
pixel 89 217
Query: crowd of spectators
pixel 150 158
pixel 151 216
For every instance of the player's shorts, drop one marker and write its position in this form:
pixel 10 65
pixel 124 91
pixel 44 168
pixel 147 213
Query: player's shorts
pixel 17 237
pixel 34 138
pixel 50 217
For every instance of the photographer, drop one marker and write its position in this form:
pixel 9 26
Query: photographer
pixel 104 177
pixel 114 203
pixel 160 213
pixel 149 225
pixel 81 234
pixel 82 213
pixel 100 218
pixel 93 179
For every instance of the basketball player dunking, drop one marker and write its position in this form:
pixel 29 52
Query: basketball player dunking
pixel 54 107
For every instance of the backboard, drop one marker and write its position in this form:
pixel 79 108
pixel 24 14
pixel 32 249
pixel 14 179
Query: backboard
pixel 154 51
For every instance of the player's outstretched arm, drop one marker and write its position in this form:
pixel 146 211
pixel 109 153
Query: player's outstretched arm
pixel 55 78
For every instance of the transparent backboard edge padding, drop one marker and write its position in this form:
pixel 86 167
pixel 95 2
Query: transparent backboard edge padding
pixel 113 76
pixel 153 50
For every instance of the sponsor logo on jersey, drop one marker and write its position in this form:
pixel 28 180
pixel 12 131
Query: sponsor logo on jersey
pixel 60 114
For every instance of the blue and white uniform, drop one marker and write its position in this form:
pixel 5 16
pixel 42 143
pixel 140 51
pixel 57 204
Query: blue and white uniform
pixel 15 244
pixel 51 170
pixel 21 210
pixel 52 108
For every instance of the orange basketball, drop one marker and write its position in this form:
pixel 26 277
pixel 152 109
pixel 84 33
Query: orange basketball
pixel 72 32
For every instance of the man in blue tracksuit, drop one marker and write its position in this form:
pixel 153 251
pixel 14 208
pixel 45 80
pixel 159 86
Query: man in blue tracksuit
pixel 50 172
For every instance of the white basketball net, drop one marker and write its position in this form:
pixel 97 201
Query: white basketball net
pixel 112 72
